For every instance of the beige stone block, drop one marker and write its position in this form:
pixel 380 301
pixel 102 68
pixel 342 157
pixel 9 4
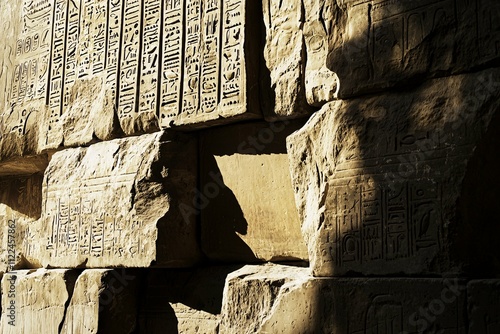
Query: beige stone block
pixel 116 203
pixel 35 300
pixel 398 183
pixel 103 301
pixel 285 55
pixel 373 45
pixel 246 198
pixel 182 301
pixel 279 299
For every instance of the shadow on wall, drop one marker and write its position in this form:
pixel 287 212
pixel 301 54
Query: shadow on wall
pixel 410 176
pixel 22 194
pixel 171 301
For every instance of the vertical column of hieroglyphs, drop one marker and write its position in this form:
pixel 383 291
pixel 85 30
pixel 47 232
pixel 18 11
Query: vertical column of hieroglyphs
pixel 129 64
pixel 72 38
pixel 32 55
pixel 148 98
pixel 191 84
pixel 211 56
pixel 54 130
pixel 232 62
pixel 113 52
pixel 172 60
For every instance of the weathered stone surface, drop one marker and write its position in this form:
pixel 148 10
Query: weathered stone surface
pixel 484 306
pixel 397 183
pixel 32 300
pixel 381 43
pixel 20 205
pixel 284 54
pixel 103 301
pixel 182 301
pixel 280 299
pixel 116 204
pixel 246 198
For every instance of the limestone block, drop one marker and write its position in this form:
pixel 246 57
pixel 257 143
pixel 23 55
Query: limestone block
pixel 250 294
pixel 246 199
pixel 210 64
pixel 103 301
pixel 27 34
pixel 397 183
pixel 284 54
pixel 382 43
pixel 483 306
pixel 278 299
pixel 31 299
pixel 116 203
pixel 20 206
pixel 182 301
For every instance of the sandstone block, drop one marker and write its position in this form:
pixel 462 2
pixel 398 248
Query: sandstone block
pixel 377 44
pixel 116 203
pixel 246 198
pixel 483 306
pixel 103 301
pixel 284 54
pixel 281 299
pixel 397 183
pixel 31 299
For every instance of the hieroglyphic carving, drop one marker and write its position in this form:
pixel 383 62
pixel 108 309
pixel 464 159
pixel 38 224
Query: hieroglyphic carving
pixel 488 18
pixel 72 42
pixel 80 225
pixel 129 62
pixel 57 71
pixel 148 98
pixel 113 55
pixel 233 66
pixel 191 84
pixel 172 62
pixel 32 52
pixel 209 77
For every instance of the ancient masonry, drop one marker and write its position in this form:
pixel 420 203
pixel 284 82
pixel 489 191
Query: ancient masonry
pixel 250 166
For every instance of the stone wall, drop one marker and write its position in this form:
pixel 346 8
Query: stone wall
pixel 249 166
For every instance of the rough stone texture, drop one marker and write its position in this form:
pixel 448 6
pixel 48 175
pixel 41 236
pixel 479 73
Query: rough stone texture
pixel 250 294
pixel 31 299
pixel 246 198
pixel 377 44
pixel 484 306
pixel 20 205
pixel 103 301
pixel 284 54
pixel 116 204
pixel 182 301
pixel 397 183
pixel 282 299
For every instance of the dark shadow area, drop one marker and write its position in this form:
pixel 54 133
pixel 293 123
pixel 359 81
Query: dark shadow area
pixel 23 194
pixel 169 297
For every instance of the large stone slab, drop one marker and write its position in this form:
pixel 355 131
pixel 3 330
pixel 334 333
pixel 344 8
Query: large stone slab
pixel 278 299
pixel 246 198
pixel 483 306
pixel 397 183
pixel 182 301
pixel 103 301
pixel 116 203
pixel 31 299
pixel 377 44
pixel 284 54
